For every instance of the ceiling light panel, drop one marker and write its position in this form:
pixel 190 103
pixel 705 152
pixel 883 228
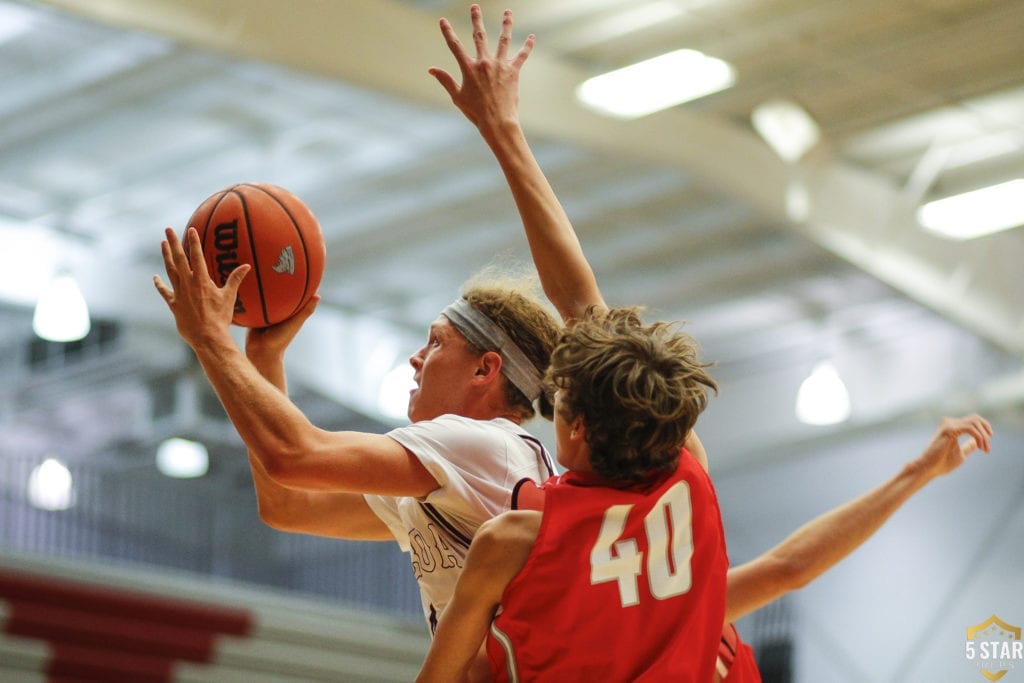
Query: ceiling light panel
pixel 655 84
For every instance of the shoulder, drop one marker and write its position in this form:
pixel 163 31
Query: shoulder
pixel 457 424
pixel 514 529
pixel 453 432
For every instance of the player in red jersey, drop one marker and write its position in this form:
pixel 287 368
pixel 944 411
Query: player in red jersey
pixel 488 96
pixel 736 659
pixel 821 543
pixel 628 555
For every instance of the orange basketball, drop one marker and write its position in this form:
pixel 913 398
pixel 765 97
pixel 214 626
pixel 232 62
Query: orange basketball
pixel 274 231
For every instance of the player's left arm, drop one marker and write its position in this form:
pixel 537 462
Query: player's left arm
pixel 488 95
pixel 823 542
pixel 499 550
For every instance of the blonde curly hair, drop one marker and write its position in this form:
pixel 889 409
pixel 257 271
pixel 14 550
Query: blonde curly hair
pixel 512 301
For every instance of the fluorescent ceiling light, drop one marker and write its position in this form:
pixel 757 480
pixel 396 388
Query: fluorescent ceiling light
pixel 786 127
pixel 976 213
pixel 655 84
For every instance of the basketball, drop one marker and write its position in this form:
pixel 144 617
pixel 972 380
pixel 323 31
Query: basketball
pixel 271 229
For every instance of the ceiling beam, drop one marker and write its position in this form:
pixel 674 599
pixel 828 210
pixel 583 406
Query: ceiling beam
pixel 387 46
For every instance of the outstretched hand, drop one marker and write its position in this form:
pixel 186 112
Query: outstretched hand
pixel 953 441
pixel 202 310
pixel 489 91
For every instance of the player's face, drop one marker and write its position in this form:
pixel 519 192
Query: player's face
pixel 442 369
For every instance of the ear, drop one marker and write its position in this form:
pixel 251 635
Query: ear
pixel 577 430
pixel 488 367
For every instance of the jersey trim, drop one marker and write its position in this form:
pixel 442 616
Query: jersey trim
pixel 510 656
pixel 515 491
pixel 439 519
pixel 542 452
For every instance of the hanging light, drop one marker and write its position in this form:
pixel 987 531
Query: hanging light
pixel 61 313
pixel 182 459
pixel 823 398
pixel 50 486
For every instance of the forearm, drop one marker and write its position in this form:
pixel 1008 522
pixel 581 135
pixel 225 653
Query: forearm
pixel 819 545
pixel 499 550
pixel 271 367
pixel 457 641
pixel 567 278
pixel 465 621
pixel 328 514
pixel 265 419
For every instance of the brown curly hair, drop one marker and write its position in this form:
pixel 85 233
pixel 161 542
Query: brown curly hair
pixel 638 388
pixel 525 319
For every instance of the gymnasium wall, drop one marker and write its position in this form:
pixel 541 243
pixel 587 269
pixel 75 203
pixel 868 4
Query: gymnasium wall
pixel 898 609
pixel 208 527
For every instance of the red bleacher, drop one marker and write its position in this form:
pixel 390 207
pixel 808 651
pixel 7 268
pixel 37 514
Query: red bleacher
pixel 111 626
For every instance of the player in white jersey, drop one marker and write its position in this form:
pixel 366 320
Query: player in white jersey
pixel 428 485
pixel 436 531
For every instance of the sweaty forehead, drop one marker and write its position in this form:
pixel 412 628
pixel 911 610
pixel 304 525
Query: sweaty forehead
pixel 442 327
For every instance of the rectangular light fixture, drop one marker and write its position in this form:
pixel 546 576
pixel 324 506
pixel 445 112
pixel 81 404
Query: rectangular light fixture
pixel 655 84
pixel 976 213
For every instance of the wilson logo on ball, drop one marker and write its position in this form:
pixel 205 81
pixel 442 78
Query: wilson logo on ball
pixel 225 244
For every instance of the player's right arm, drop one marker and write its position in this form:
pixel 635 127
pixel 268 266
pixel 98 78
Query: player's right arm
pixel 292 451
pixel 499 550
pixel 821 543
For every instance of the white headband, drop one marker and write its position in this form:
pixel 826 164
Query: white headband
pixel 484 333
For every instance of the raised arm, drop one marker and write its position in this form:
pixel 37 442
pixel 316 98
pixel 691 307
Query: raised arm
pixel 499 550
pixel 290 450
pixel 489 97
pixel 821 543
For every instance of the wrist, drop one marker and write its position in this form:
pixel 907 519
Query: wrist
pixel 918 472
pixel 214 343
pixel 263 359
pixel 500 131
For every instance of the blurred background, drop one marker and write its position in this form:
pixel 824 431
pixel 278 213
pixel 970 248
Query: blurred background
pixel 794 215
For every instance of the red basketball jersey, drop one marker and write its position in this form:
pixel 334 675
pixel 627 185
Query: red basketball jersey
pixel 736 662
pixel 622 584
